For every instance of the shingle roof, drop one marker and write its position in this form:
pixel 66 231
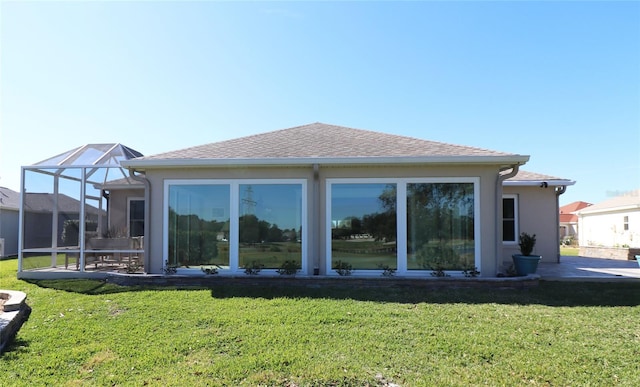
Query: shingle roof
pixel 9 199
pixel 43 202
pixel 567 212
pixel 322 141
pixel 533 178
pixel 627 200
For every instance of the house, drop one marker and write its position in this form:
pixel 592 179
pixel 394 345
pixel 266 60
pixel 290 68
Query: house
pixel 323 198
pixel 9 211
pixel 569 220
pixel 611 229
pixel 46 212
pixel 533 199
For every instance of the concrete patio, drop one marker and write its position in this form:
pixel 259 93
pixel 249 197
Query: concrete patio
pixel 589 269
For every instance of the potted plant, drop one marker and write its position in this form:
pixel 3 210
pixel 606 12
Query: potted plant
pixel 526 263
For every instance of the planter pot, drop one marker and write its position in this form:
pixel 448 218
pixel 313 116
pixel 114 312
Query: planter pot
pixel 638 259
pixel 525 264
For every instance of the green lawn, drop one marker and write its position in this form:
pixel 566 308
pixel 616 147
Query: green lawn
pixel 84 332
pixel 569 251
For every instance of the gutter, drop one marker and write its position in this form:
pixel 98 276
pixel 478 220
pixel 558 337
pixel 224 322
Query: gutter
pixel 498 218
pixel 559 191
pixel 506 160
pixel 147 214
pixel 539 183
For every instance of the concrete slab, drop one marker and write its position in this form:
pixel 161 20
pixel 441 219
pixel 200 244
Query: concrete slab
pixel 589 269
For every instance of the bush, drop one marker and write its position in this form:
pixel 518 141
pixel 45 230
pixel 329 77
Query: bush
pixel 343 268
pixel 288 268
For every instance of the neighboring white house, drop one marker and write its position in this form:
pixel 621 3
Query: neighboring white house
pixel 9 211
pixel 612 223
pixel 317 196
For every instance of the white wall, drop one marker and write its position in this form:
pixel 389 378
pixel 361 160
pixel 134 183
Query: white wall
pixel 607 229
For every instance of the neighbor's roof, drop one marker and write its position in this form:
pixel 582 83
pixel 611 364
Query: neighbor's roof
pixel 9 199
pixel 567 212
pixel 626 201
pixel 525 178
pixel 44 203
pixel 324 144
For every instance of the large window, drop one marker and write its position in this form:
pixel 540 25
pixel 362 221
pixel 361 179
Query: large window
pixel 270 224
pixel 198 225
pixel 235 224
pixel 363 225
pixel 440 226
pixel 408 225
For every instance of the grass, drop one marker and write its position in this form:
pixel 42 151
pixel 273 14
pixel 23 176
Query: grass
pixel 84 332
pixel 569 251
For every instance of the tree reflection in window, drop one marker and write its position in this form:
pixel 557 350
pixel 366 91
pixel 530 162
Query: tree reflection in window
pixel 270 224
pixel 440 226
pixel 364 229
pixel 199 225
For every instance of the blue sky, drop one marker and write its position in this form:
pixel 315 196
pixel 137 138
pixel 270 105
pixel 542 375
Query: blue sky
pixel 559 81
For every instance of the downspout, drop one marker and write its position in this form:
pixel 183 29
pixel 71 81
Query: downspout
pixel 147 214
pixel 498 218
pixel 559 191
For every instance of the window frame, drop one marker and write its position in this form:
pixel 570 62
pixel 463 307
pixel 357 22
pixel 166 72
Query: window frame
pixel 516 220
pixel 401 220
pixel 234 214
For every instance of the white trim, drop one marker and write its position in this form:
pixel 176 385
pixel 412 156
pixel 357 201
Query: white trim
pixel 516 219
pixel 537 183
pixel 227 162
pixel 401 216
pixel 234 212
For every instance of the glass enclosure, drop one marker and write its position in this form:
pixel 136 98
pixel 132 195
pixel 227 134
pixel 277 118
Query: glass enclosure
pixel 74 213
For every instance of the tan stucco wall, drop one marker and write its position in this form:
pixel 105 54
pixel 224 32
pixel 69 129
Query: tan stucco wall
pixel 316 246
pixel 537 214
pixel 118 207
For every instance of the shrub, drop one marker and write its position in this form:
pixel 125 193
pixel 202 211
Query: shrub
pixel 252 268
pixel 527 243
pixel 288 268
pixel 387 271
pixel 343 268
